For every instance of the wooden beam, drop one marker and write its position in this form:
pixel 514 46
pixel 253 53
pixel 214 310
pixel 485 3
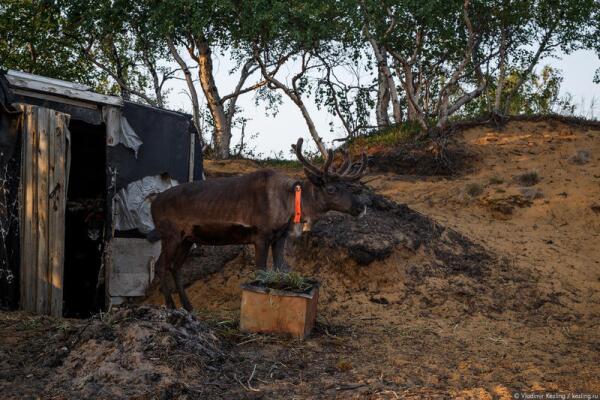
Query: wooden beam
pixel 56 212
pixel 44 124
pixel 28 217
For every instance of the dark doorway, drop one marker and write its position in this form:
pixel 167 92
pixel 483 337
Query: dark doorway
pixel 85 221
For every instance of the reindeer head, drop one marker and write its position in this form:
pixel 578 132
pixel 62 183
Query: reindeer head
pixel 334 188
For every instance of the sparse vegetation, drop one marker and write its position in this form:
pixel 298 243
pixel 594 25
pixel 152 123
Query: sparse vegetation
pixel 581 157
pixel 279 163
pixel 529 178
pixel 474 189
pixel 290 281
pixel 494 180
pixel 386 137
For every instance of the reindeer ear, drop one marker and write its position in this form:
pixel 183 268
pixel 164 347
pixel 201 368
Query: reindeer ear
pixel 315 179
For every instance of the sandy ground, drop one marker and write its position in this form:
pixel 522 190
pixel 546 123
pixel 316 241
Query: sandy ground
pixel 398 328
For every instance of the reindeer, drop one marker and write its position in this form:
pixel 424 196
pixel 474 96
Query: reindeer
pixel 259 208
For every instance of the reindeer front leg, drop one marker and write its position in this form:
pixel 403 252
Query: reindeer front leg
pixel 278 250
pixel 261 251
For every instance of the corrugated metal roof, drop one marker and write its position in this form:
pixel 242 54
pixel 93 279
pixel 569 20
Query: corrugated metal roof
pixel 57 87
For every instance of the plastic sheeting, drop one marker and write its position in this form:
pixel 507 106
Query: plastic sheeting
pixel 118 130
pixel 132 205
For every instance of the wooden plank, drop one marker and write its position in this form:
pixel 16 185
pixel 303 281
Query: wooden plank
pixel 28 222
pixel 44 123
pixel 51 195
pixel 56 219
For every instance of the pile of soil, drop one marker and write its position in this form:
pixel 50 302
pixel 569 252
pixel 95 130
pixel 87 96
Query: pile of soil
pixel 144 352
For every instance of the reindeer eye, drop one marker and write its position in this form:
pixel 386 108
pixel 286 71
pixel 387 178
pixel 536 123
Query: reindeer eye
pixel 330 189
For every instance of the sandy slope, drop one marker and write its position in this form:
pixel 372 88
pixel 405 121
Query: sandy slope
pixel 558 235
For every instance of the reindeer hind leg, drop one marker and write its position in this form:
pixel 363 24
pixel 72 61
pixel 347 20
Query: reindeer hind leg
pixel 164 261
pixel 180 255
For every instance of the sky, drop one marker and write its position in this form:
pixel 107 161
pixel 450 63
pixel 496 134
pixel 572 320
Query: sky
pixel 276 134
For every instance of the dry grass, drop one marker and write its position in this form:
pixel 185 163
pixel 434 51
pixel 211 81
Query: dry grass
pixel 529 178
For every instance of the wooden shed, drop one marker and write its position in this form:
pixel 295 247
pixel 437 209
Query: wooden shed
pixel 76 169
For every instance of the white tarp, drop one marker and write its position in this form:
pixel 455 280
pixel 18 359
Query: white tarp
pixel 118 129
pixel 132 205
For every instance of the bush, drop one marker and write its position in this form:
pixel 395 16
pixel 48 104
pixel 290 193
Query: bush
pixel 528 178
pixel 474 189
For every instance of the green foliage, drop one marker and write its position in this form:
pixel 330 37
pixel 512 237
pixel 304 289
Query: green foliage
pixel 539 94
pixel 386 137
pixel 32 40
pixel 279 163
pixel 290 281
pixel 322 51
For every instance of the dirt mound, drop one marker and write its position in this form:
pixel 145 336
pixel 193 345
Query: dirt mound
pixel 141 352
pixel 388 225
pixel 441 157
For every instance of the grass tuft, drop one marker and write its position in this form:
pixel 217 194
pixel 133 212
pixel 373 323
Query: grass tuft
pixel 279 163
pixel 494 180
pixel 291 281
pixel 390 136
pixel 474 189
pixel 528 178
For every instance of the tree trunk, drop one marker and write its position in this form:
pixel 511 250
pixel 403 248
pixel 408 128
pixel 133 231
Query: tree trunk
pixel 311 126
pixel 501 72
pixel 222 132
pixel 156 84
pixel 383 101
pixel 386 77
pixel 415 112
pixel 191 88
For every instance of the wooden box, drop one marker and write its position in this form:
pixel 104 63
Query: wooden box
pixel 267 310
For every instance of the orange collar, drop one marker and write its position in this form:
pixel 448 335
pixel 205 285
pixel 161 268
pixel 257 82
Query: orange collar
pixel 298 205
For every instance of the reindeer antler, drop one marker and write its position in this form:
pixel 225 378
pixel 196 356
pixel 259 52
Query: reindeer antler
pixel 343 172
